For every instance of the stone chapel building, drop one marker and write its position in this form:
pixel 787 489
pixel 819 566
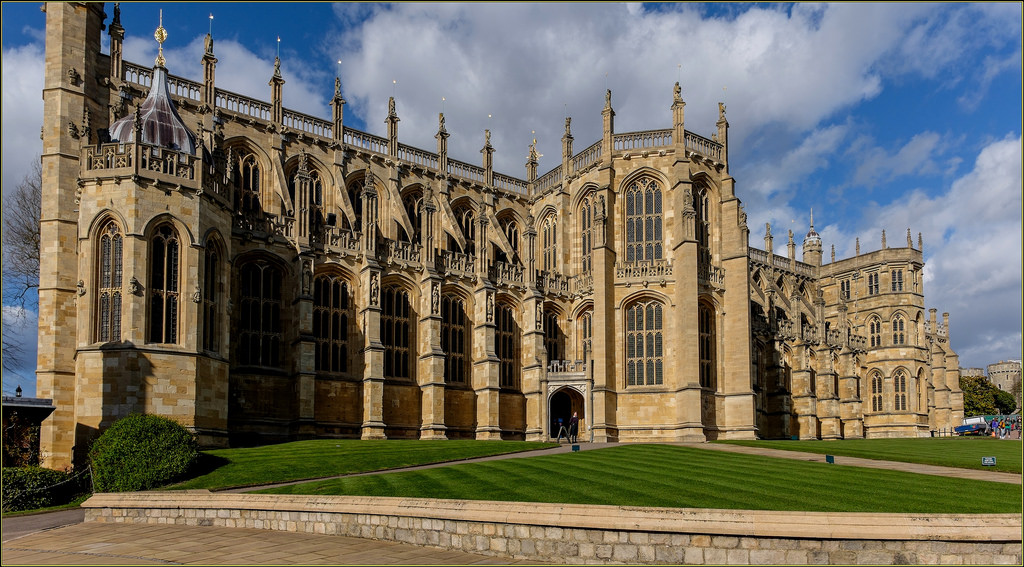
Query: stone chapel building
pixel 259 274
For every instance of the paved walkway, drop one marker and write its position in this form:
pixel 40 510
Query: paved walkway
pixel 48 539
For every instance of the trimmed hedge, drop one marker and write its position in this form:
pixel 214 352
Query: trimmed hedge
pixel 140 452
pixel 29 488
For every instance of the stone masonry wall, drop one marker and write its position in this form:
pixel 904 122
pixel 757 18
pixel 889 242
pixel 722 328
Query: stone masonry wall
pixel 556 533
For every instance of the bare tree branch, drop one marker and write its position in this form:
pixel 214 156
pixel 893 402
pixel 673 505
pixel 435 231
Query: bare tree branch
pixel 22 210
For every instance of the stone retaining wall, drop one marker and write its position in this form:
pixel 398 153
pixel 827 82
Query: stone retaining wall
pixel 567 533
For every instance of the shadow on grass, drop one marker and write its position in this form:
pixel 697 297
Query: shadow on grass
pixel 205 465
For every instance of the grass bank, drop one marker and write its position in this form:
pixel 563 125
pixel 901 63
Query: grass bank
pixel 960 452
pixel 662 475
pixel 319 458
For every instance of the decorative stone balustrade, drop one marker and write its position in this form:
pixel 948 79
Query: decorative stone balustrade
pixel 552 283
pixel 109 157
pixel 549 180
pixel 339 240
pixel 398 252
pixel 243 105
pixel 809 334
pixel 466 171
pixel 582 284
pixel 834 338
pixel 709 274
pixel 653 270
pixel 418 157
pixel 858 342
pixel 703 146
pixel 642 140
pixel 587 157
pixel 510 184
pixel 308 124
pixel 365 141
pixel 168 162
pixel 787 331
pixel 780 263
pixel 503 273
pixel 457 264
pixel 567 366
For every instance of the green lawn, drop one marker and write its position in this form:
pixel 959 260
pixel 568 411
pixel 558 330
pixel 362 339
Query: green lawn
pixel 960 452
pixel 670 476
pixel 319 458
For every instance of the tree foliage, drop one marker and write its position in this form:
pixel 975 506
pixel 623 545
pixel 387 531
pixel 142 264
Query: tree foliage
pixel 140 452
pixel 982 398
pixel 22 209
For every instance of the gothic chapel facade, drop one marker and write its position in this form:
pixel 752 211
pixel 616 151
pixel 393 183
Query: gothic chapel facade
pixel 259 274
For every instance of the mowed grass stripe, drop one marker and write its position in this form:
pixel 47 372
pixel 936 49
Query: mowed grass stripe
pixel 320 458
pixel 660 475
pixel 959 452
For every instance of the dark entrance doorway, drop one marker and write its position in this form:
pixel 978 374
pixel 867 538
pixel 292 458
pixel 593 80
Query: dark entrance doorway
pixel 562 405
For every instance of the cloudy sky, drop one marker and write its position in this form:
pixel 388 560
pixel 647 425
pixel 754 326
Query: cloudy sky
pixel 876 115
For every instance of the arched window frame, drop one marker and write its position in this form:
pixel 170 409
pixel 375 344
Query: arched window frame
pixel 706 334
pixel 110 250
pixel 549 242
pixel 644 223
pixel 456 333
pixel 896 280
pixel 398 333
pixel 212 258
pixel 585 324
pixel 899 387
pixel 899 336
pixel 876 391
pixel 412 201
pixel 464 217
pixel 507 346
pixel 875 331
pixel 554 339
pixel 586 236
pixel 332 318
pixel 259 319
pixel 644 343
pixel 164 285
pixel 248 183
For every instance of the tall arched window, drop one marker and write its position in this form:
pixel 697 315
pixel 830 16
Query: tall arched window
pixel 549 240
pixel 211 296
pixel 507 346
pixel 396 322
pixel 586 334
pixel 413 203
pixel 464 217
pixel 702 226
pixel 455 333
pixel 259 325
pixel 876 392
pixel 247 183
pixel 315 194
pixel 355 196
pixel 332 311
pixel 108 317
pixel 898 330
pixel 706 331
pixel 164 258
pixel 554 341
pixel 875 331
pixel 643 221
pixel 586 235
pixel 644 364
pixel 896 280
pixel 511 229
pixel 899 386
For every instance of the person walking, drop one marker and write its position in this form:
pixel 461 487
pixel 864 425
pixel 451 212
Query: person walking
pixel 574 427
pixel 561 431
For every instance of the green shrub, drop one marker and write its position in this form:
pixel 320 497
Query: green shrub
pixel 140 452
pixel 28 488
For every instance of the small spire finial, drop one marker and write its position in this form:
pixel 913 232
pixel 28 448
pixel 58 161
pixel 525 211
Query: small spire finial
pixel 858 246
pixel 833 253
pixel 161 36
pixel 883 239
pixel 910 239
pixel 812 218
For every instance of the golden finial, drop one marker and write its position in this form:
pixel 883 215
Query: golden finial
pixel 161 37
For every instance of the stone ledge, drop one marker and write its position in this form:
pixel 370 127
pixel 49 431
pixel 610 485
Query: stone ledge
pixel 752 523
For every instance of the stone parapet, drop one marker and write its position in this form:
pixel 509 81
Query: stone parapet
pixel 573 533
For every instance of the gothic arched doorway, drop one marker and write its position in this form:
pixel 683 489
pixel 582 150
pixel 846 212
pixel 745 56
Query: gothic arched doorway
pixel 561 405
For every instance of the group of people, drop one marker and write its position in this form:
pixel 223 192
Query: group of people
pixel 1004 427
pixel 570 433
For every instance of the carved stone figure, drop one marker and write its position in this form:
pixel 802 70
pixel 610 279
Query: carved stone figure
pixel 374 290
pixel 435 299
pixel 197 296
pixel 677 91
pixel 490 307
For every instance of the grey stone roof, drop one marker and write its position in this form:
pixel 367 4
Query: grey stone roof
pixel 161 125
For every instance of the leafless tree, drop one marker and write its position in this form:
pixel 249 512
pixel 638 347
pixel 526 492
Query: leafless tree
pixel 22 208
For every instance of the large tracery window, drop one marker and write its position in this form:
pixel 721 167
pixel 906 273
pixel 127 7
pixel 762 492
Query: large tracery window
pixel 211 297
pixel 586 235
pixel 332 311
pixel 706 329
pixel 899 387
pixel 875 331
pixel 549 240
pixel 259 332
pixel 643 221
pixel 455 335
pixel 644 363
pixel 396 321
pixel 586 334
pixel 899 336
pixel 702 226
pixel 164 266
pixel 413 203
pixel 109 294
pixel 507 346
pixel 554 341
pixel 464 217
pixel 247 183
pixel 876 392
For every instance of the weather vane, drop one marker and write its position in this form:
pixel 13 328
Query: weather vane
pixel 161 37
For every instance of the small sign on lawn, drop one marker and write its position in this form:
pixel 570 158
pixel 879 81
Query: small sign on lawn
pixel 988 461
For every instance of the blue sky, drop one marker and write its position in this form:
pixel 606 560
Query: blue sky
pixel 876 115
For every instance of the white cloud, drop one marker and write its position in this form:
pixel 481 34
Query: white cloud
pixel 880 165
pixel 22 111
